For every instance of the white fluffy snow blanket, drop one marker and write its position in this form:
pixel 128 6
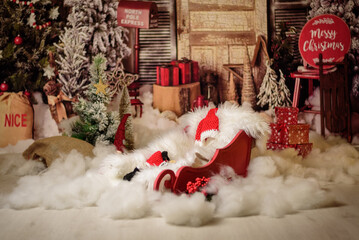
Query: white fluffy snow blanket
pixel 278 182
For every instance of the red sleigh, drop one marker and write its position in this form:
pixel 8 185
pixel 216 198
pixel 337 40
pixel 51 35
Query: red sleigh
pixel 236 155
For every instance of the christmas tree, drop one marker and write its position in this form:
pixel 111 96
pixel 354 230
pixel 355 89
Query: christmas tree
pixel 96 124
pixel 248 92
pixel 28 30
pixel 268 92
pixel 284 93
pixel 105 36
pixel 125 108
pixel 73 63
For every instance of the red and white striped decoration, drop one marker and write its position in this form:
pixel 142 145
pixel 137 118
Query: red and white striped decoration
pixel 31 5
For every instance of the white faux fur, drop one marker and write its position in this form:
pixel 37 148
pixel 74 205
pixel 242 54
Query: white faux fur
pixel 278 182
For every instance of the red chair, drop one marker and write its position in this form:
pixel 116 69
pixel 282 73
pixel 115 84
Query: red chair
pixel 236 155
pixel 133 91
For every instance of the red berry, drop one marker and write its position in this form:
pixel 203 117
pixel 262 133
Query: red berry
pixel 27 93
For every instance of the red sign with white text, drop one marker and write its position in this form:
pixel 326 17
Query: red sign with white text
pixel 326 34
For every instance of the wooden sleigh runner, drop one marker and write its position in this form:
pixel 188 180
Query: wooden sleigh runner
pixel 235 155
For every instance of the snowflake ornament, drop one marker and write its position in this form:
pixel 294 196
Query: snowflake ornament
pixel 49 71
pixel 31 20
pixel 54 13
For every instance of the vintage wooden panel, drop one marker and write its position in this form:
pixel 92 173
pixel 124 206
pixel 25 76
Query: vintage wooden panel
pixel 222 21
pixel 206 57
pixel 236 53
pixel 221 38
pixel 221 5
pixel 213 32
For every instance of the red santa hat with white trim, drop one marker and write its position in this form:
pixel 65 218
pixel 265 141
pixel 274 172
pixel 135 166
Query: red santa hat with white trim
pixel 207 127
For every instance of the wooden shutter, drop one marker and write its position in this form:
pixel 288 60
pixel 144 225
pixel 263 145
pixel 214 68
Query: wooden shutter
pixel 291 11
pixel 158 46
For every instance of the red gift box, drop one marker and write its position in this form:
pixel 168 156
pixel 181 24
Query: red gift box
pixel 188 70
pixel 167 75
pixel 302 149
pixel 289 134
pixel 286 115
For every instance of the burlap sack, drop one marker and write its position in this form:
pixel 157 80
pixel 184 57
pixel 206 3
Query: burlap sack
pixel 16 118
pixel 47 150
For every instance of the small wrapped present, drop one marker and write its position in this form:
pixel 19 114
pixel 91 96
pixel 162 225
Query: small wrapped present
pixel 302 149
pixel 278 146
pixel 289 134
pixel 188 70
pixel 167 75
pixel 298 133
pixel 286 115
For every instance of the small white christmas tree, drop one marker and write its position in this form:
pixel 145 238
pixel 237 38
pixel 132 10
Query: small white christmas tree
pixel 284 93
pixel 273 93
pixel 96 124
pixel 73 63
pixel 268 92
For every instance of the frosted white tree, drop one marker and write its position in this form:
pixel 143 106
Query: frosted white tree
pixel 73 63
pixel 284 92
pixel 105 36
pixel 268 92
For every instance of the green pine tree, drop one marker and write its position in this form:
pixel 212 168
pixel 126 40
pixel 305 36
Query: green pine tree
pixel 96 124
pixel 23 66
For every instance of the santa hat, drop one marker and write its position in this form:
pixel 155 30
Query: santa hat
pixel 155 159
pixel 158 159
pixel 207 127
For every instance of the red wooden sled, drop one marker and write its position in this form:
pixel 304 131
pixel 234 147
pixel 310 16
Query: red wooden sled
pixel 236 155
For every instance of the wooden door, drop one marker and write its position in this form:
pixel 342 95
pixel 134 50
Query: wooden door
pixel 214 32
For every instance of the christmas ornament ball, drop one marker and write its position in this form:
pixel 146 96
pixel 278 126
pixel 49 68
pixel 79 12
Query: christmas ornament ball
pixel 4 87
pixel 18 40
pixel 27 93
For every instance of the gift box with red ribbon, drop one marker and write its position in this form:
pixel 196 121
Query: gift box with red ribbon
pixel 286 115
pixel 167 75
pixel 289 133
pixel 302 149
pixel 188 70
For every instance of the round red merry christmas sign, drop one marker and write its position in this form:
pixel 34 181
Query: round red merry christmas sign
pixel 326 34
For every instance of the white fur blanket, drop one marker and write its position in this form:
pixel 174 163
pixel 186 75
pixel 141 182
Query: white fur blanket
pixel 180 144
pixel 278 182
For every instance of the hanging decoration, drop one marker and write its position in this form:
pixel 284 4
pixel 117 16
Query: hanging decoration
pixel 18 40
pixel 4 86
pixel 32 15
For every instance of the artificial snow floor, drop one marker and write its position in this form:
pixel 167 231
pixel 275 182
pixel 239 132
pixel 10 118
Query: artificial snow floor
pixel 283 196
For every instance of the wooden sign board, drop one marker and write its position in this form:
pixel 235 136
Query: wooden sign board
pixel 326 34
pixel 137 14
